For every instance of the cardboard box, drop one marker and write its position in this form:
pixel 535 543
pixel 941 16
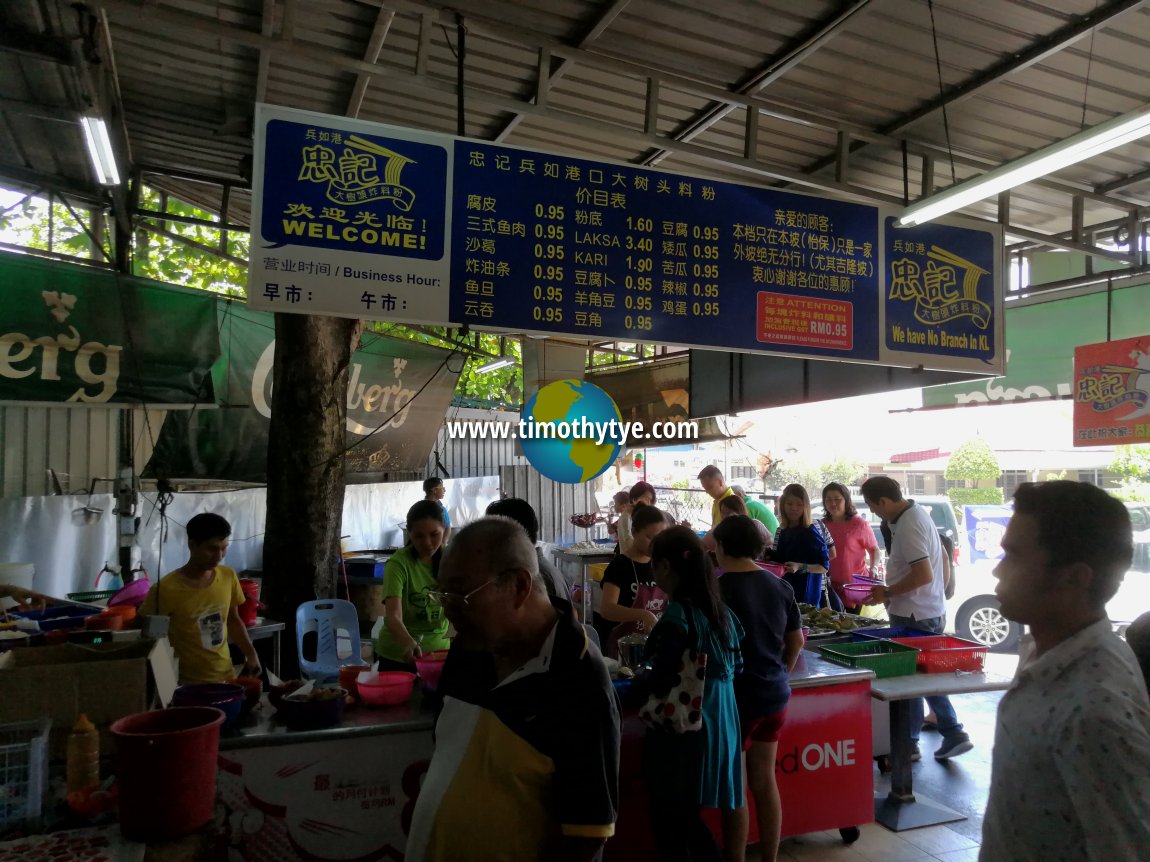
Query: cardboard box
pixel 105 682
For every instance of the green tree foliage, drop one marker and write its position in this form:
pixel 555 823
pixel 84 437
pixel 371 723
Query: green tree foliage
pixel 974 461
pixel 960 497
pixel 194 255
pixel 814 477
pixel 1132 464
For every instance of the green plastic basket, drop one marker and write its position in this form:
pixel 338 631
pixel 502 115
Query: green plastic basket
pixel 885 658
pixel 93 596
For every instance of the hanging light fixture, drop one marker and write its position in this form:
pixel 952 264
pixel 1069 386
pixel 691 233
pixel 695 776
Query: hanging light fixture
pixel 100 152
pixel 495 364
pixel 1086 144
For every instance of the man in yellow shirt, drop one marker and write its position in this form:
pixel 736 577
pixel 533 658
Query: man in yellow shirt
pixel 202 601
pixel 711 478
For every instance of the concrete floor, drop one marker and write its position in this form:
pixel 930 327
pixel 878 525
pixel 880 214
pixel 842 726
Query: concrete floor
pixel 962 784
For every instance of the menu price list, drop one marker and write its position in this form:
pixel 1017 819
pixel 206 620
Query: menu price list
pixel 543 242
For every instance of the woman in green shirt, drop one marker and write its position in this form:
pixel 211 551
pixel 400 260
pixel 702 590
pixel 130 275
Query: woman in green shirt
pixel 412 624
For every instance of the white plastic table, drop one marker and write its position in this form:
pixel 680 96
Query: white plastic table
pixel 901 809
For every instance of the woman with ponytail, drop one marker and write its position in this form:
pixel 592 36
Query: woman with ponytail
pixel 686 772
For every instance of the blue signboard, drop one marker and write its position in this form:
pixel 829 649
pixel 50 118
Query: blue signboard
pixel 544 242
pixel 361 219
pixel 985 527
pixel 354 192
pixel 940 290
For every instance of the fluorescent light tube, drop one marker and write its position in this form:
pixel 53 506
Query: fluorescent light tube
pixel 1086 144
pixel 494 364
pixel 100 151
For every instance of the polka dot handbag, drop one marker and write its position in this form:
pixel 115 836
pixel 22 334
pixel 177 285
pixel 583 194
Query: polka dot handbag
pixel 681 710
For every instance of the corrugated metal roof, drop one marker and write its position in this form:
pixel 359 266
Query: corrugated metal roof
pixel 1016 75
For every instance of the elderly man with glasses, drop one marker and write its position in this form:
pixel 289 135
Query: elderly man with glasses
pixel 526 762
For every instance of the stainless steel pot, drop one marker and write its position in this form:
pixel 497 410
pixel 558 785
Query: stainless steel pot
pixel 631 650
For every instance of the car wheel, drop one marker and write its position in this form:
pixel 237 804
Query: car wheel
pixel 980 619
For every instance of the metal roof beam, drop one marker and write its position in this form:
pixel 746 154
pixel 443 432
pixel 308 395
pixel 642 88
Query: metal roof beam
pixel 177 21
pixel 1052 241
pixel 1038 51
pixel 602 22
pixel 1123 182
pixel 38 46
pixel 267 29
pixel 371 55
pixel 759 79
pixel 56 113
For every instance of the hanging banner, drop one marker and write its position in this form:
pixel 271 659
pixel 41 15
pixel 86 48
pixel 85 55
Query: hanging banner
pixel 1040 339
pixel 397 395
pixel 361 219
pixel 82 335
pixel 1112 392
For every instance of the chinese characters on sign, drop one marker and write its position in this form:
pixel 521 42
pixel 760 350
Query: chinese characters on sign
pixel 361 219
pixel 940 291
pixel 567 245
pixel 1112 392
pixel 349 221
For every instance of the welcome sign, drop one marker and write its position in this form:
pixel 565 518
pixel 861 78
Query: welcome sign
pixel 362 219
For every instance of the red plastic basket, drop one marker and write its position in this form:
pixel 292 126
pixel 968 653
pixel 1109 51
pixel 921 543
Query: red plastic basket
pixel 946 654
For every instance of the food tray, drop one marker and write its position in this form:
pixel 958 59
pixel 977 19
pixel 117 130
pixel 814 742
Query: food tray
pixel 885 658
pixel 946 654
pixel 64 617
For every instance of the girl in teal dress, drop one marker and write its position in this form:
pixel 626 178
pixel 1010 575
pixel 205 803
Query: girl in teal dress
pixel 686 772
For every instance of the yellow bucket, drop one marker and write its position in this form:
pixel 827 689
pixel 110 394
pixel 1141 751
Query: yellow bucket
pixel 597 570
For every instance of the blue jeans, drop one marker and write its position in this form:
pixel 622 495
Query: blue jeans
pixel 948 724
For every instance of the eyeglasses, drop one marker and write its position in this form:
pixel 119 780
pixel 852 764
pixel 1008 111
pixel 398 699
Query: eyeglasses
pixel 443 599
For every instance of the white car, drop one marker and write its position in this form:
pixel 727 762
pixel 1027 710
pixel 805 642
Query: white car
pixel 974 611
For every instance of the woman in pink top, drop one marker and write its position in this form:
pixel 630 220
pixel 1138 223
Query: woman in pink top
pixel 853 537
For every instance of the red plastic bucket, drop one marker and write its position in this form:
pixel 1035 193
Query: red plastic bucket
pixel 166 765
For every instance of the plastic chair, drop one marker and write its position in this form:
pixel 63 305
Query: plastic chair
pixel 333 621
pixel 592 635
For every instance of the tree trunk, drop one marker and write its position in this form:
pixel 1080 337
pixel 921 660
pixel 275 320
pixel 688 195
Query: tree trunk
pixel 306 444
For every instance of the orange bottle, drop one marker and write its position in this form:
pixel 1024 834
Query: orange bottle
pixel 83 756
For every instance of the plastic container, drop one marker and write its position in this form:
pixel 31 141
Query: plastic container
pixel 885 658
pixel 133 594
pixel 92 596
pixel 83 756
pixel 347 677
pixel 226 697
pixel 166 767
pixel 776 569
pixel 946 654
pixel 312 714
pixel 857 592
pixel 430 668
pixel 250 609
pixel 65 617
pixel 23 772
pixel 387 688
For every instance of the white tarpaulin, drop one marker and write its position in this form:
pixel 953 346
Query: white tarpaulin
pixel 70 538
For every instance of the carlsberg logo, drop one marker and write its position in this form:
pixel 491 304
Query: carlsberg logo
pixel 94 364
pixel 380 400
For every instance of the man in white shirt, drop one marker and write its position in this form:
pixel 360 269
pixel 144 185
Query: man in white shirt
pixel 915 592
pixel 1071 770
